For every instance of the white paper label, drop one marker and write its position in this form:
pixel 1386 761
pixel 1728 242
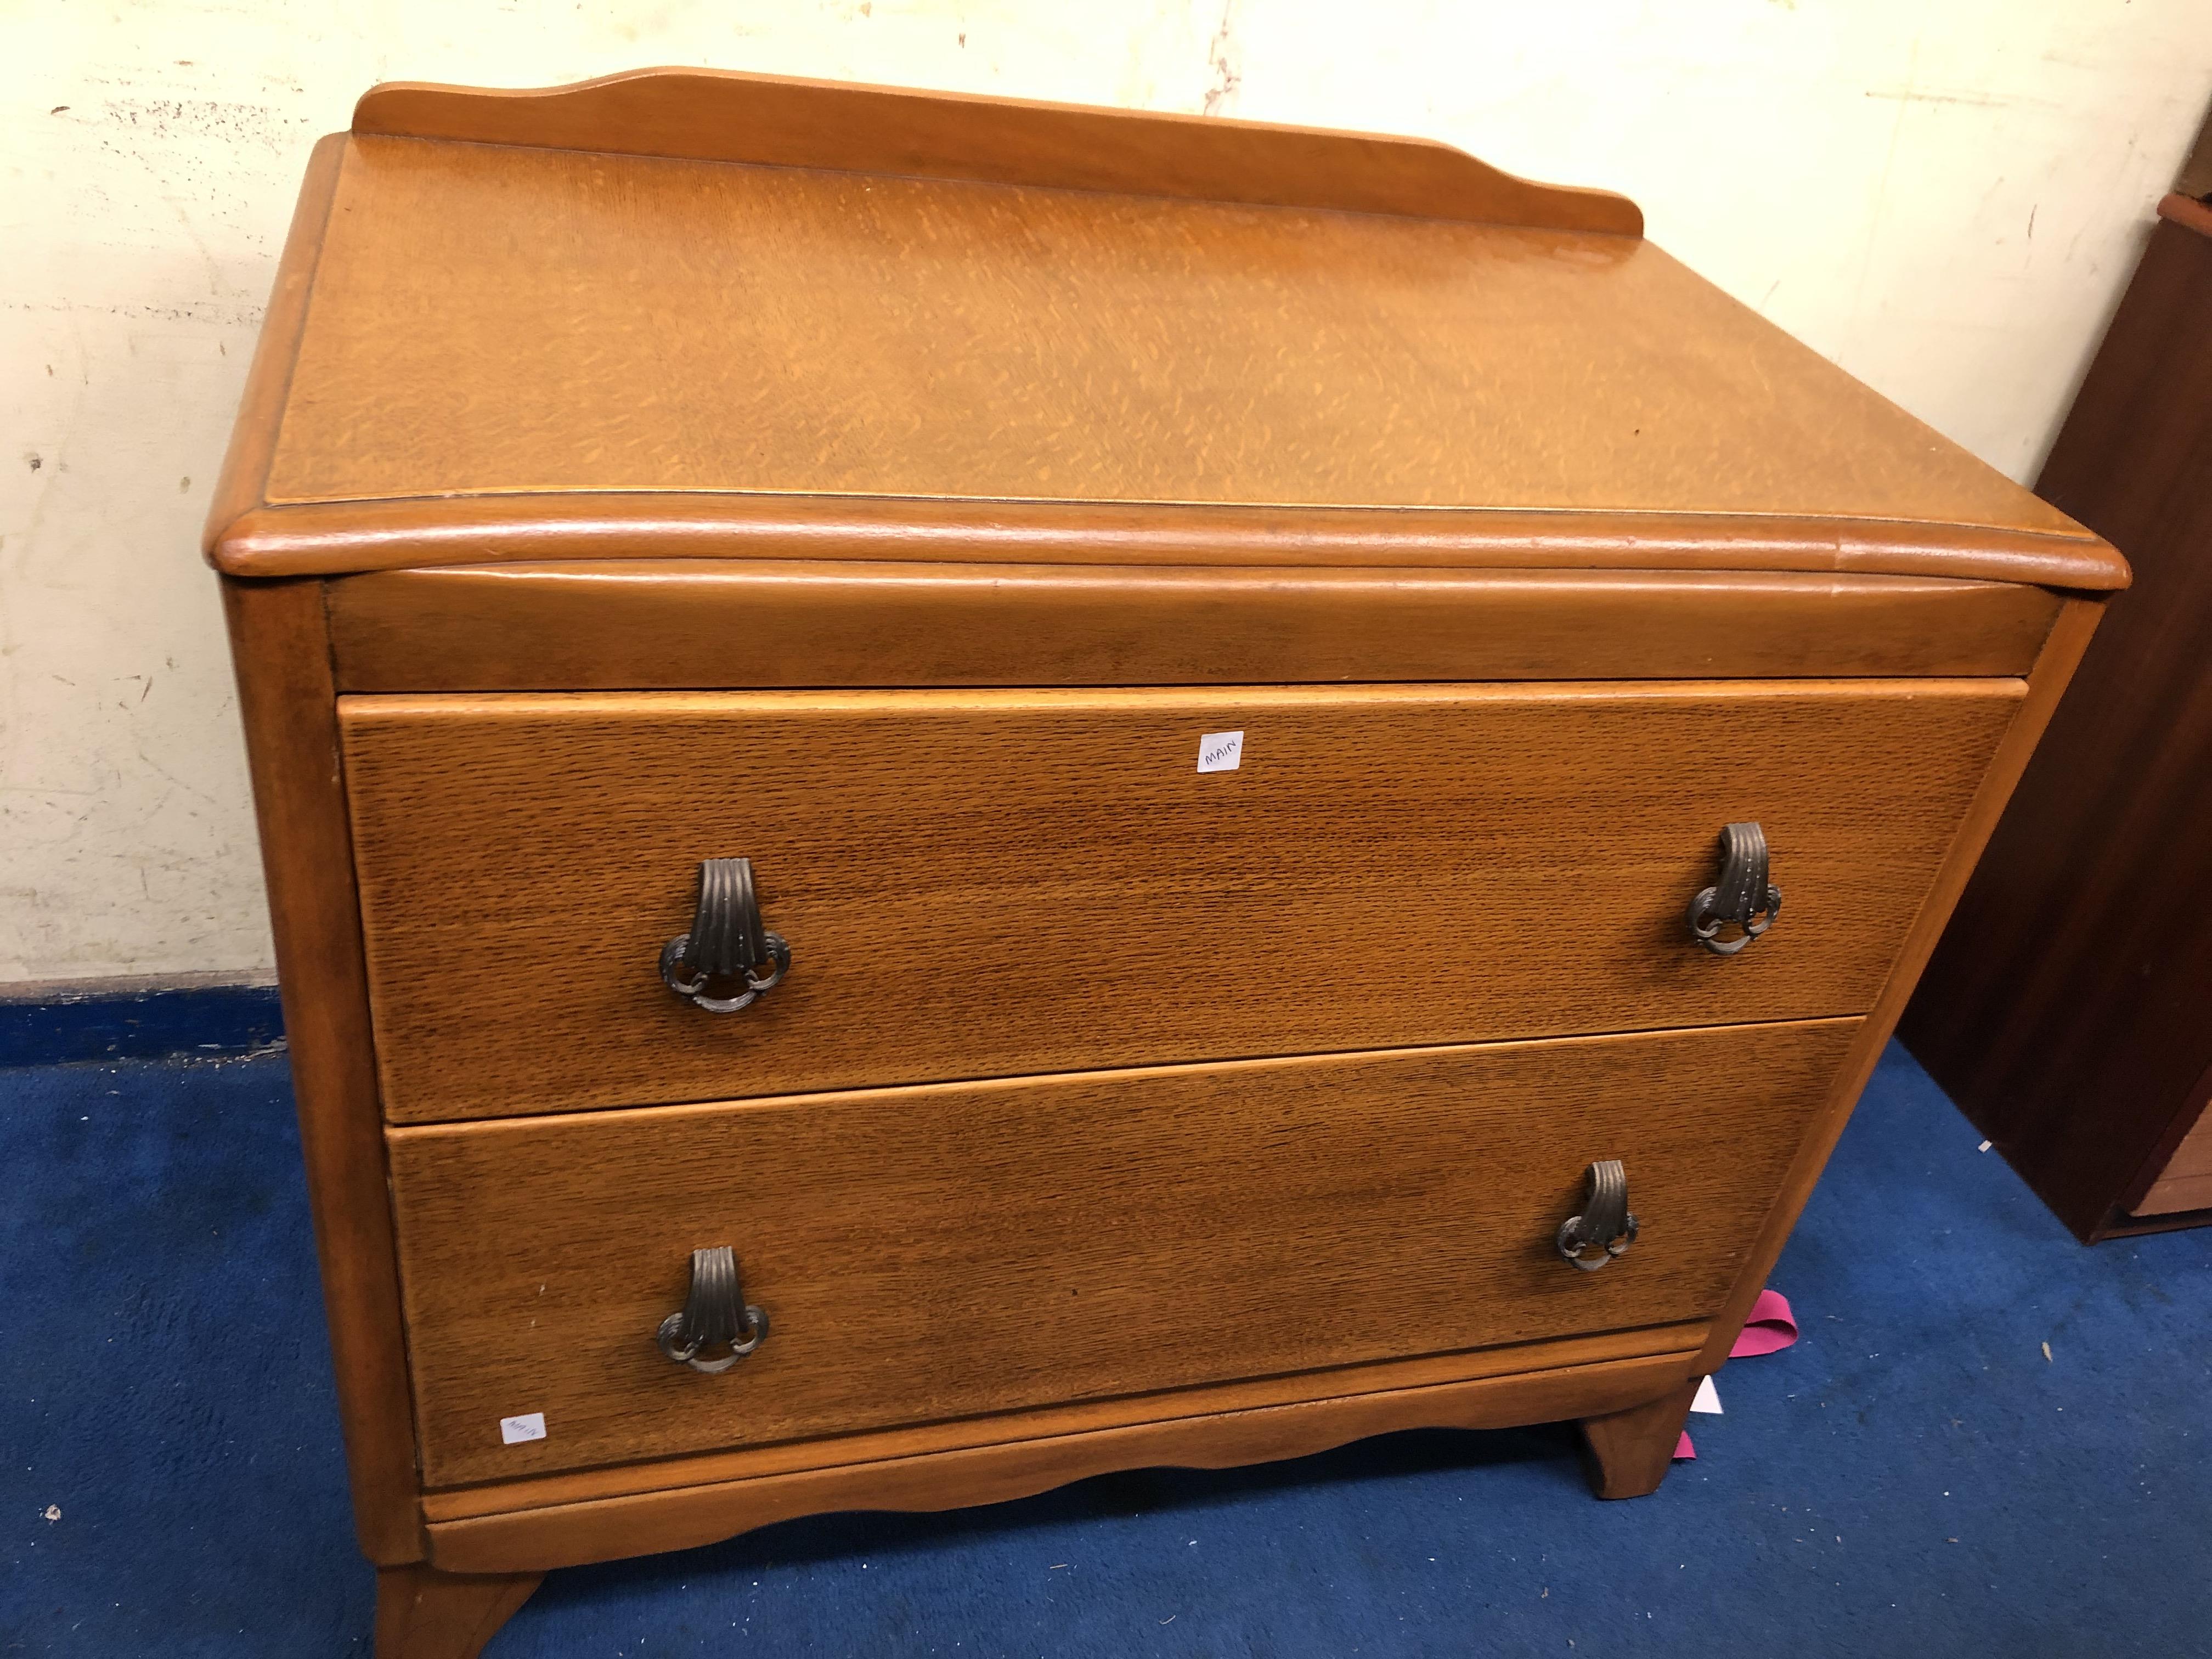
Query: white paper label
pixel 512 1431
pixel 1708 1400
pixel 1220 751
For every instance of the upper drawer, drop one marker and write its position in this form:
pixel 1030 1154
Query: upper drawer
pixel 980 883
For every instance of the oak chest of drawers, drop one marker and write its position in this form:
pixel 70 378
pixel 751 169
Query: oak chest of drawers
pixel 957 793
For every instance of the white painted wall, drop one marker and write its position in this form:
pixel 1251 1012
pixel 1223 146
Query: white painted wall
pixel 1944 196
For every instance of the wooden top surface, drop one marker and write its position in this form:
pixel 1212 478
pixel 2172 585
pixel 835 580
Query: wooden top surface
pixel 488 325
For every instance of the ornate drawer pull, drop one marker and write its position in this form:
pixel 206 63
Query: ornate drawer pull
pixel 1741 895
pixel 715 1314
pixel 1605 1222
pixel 726 943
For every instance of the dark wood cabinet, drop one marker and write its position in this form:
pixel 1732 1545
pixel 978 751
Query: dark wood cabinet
pixel 2068 1009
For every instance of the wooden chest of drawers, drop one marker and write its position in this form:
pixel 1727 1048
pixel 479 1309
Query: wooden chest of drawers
pixel 957 793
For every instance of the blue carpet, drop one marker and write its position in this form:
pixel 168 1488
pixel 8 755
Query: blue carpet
pixel 1913 1478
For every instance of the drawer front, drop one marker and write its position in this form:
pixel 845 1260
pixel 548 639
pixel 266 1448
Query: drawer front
pixel 642 625
pixel 954 1250
pixel 979 883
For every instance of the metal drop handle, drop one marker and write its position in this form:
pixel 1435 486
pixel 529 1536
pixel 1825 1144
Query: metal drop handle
pixel 1742 895
pixel 714 1315
pixel 727 947
pixel 1606 1222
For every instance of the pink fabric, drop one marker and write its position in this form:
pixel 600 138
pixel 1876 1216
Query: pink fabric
pixel 1771 1329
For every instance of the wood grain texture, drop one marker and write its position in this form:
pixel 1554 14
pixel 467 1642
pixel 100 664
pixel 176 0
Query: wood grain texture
pixel 700 426
pixel 2065 1010
pixel 335 538
pixel 2134 1227
pixel 241 485
pixel 991 883
pixel 931 1253
pixel 2184 1179
pixel 494 319
pixel 682 625
pixel 2077 625
pixel 424 1614
pixel 281 653
pixel 609 1529
pixel 2176 1195
pixel 716 115
pixel 1051 1422
pixel 1629 1452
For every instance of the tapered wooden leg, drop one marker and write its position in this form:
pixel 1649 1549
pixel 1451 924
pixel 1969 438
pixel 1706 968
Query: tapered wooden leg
pixel 1627 1454
pixel 424 1614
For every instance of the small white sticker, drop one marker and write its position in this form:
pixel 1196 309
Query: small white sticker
pixel 1708 1400
pixel 1220 751
pixel 513 1430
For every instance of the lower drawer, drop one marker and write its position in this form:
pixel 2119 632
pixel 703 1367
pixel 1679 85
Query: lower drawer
pixel 957 1249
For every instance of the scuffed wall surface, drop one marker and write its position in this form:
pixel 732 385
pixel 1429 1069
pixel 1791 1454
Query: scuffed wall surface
pixel 1944 199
